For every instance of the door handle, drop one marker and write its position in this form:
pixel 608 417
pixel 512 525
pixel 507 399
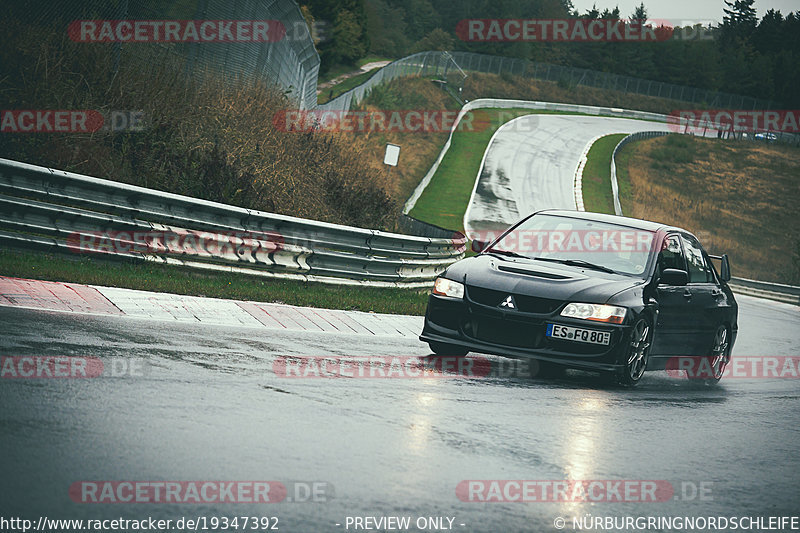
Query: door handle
pixel 716 293
pixel 687 294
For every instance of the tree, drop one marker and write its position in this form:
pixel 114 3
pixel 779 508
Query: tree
pixel 347 35
pixel 639 14
pixel 437 39
pixel 767 38
pixel 739 21
pixel 422 18
pixel 352 27
pixel 592 14
pixel 387 29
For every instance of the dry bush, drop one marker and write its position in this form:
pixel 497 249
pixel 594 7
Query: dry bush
pixel 206 135
pixel 740 198
pixel 479 85
pixel 418 149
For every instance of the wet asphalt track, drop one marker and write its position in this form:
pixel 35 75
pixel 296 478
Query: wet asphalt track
pixel 531 163
pixel 210 407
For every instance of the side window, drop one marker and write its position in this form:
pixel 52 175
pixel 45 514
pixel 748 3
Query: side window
pixel 699 270
pixel 671 255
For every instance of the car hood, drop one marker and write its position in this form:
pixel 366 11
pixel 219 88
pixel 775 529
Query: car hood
pixel 540 279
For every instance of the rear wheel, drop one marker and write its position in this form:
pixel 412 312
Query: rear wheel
pixel 442 348
pixel 719 357
pixel 638 353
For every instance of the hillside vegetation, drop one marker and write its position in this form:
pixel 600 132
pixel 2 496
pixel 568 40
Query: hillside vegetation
pixel 204 136
pixel 739 198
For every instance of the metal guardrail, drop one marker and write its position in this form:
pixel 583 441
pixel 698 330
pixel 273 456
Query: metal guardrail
pixel 445 63
pixel 58 210
pixel 763 289
pixel 623 142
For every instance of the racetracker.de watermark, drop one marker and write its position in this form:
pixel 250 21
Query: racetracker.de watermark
pixel 201 492
pixel 71 367
pixel 563 30
pixel 70 121
pixel 747 367
pixel 698 121
pixel 402 367
pixel 535 241
pixel 176 31
pixel 391 120
pixel 175 241
pixel 593 490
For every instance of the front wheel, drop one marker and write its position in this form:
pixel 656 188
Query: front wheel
pixel 442 348
pixel 637 354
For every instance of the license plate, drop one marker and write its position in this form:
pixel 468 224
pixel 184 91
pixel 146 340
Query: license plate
pixel 569 333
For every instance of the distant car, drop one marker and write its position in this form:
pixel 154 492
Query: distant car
pixel 587 291
pixel 766 136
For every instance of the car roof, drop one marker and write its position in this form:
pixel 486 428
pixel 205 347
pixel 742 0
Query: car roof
pixel 613 219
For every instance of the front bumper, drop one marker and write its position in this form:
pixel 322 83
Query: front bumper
pixel 492 330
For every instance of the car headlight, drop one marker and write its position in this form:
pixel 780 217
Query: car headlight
pixel 448 287
pixel 596 312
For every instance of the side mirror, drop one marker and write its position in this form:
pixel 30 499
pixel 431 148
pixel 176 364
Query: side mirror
pixel 674 276
pixel 479 246
pixel 725 269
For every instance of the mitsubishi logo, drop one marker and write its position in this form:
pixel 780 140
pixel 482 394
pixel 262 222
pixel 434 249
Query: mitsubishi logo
pixel 508 302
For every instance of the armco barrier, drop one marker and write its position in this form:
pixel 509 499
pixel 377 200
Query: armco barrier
pixel 623 142
pixel 54 209
pixel 439 64
pixel 763 289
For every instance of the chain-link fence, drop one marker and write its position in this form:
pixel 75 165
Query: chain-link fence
pixel 437 64
pixel 444 64
pixel 291 62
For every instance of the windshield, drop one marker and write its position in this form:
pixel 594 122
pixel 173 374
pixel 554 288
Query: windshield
pixel 582 243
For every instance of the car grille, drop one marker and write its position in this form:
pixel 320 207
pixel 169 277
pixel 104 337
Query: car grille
pixel 526 304
pixel 506 332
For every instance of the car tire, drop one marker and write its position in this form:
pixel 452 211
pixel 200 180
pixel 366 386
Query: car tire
pixel 719 355
pixel 442 348
pixel 637 354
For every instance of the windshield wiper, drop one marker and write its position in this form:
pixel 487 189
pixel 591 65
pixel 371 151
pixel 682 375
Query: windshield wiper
pixel 577 262
pixel 506 252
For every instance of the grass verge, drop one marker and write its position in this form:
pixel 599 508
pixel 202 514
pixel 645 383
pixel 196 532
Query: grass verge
pixel 445 199
pixel 326 95
pixel 596 180
pixel 176 280
pixel 740 198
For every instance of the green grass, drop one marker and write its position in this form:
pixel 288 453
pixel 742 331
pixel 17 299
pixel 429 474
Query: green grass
pixel 177 280
pixel 334 72
pixel 337 70
pixel 596 182
pixel 332 92
pixel 624 182
pixel 445 199
pixel 372 58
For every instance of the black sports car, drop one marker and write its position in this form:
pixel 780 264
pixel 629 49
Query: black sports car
pixel 589 291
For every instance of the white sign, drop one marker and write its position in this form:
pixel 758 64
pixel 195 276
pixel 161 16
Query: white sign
pixel 392 154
